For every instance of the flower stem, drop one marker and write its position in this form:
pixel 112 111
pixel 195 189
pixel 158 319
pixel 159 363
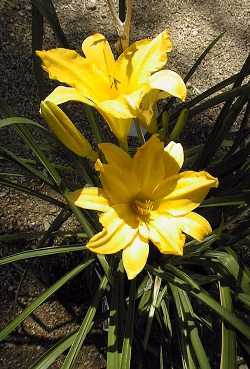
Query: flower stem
pixel 91 118
pixel 122 28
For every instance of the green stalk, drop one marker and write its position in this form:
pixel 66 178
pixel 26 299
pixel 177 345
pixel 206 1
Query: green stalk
pixel 180 124
pixel 129 330
pixel 114 330
pixel 31 192
pixel 219 86
pixel 228 343
pixel 203 296
pixel 156 290
pixel 201 57
pixel 85 327
pixel 91 118
pixel 79 214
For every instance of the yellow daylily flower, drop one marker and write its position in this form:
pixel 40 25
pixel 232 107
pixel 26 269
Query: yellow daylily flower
pixel 65 131
pixel 145 198
pixel 121 89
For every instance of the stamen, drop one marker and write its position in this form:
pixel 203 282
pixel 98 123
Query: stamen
pixel 114 83
pixel 143 208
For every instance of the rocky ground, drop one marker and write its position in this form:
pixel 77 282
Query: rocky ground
pixel 192 25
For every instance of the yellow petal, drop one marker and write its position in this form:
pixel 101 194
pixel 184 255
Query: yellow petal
pixel 120 127
pixel 164 187
pixel 69 67
pixel 147 111
pixel 120 184
pixel 117 238
pixel 148 164
pixel 63 94
pixel 135 256
pixel 134 99
pixel 92 198
pixel 120 111
pixel 115 155
pixel 140 60
pixel 143 230
pixel 97 50
pixel 190 190
pixel 174 158
pixel 118 108
pixel 195 226
pixel 65 131
pixel 165 233
pixel 118 214
pixel 170 82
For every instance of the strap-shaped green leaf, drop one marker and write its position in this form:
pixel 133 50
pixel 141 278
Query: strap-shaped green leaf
pixel 187 354
pixel 85 326
pixel 228 341
pixel 229 261
pixel 47 9
pixel 24 165
pixel 202 56
pixel 50 356
pixel 178 277
pixel 30 254
pixel 116 316
pixel 31 192
pixel 41 298
pixel 8 122
pixel 129 329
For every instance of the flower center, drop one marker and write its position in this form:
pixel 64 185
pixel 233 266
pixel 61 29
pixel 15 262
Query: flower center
pixel 143 208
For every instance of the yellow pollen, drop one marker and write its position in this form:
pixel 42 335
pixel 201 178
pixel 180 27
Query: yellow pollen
pixel 143 208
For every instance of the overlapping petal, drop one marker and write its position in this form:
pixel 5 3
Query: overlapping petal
pixel 173 158
pixel 69 67
pixel 170 82
pixel 63 94
pixel 115 238
pixel 115 155
pixel 190 190
pixel 135 256
pixel 92 198
pixel 166 234
pixel 149 166
pixel 119 213
pixel 119 126
pixel 146 112
pixel 195 226
pixel 97 50
pixel 162 84
pixel 141 59
pixel 118 108
pixel 114 181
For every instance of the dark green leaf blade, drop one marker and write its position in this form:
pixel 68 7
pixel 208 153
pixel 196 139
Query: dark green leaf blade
pixel 41 298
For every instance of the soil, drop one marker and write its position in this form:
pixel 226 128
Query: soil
pixel 192 25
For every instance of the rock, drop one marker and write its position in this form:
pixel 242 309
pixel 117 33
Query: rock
pixel 91 5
